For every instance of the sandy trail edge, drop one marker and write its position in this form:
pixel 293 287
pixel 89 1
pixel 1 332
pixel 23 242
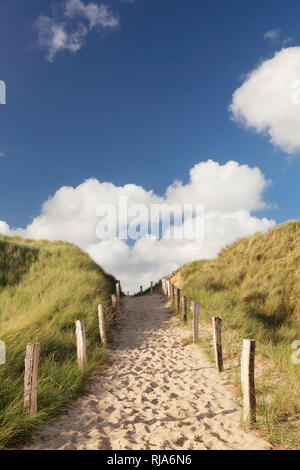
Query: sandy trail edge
pixel 157 394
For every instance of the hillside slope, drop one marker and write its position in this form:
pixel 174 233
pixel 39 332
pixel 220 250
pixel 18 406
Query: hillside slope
pixel 44 288
pixel 254 286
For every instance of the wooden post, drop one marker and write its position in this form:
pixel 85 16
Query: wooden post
pixel 172 291
pixel 118 290
pixel 195 309
pixel 101 324
pixel 169 288
pixel 2 353
pixel 178 300
pixel 141 289
pixel 184 309
pixel 30 379
pixel 217 328
pixel 114 301
pixel 81 344
pixel 151 288
pixel 247 378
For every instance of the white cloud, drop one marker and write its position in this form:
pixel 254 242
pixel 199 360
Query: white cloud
pixel 54 37
pixel 229 193
pixel 265 101
pixel 58 35
pixel 2 154
pixel 228 188
pixel 4 228
pixel 273 34
pixel 97 15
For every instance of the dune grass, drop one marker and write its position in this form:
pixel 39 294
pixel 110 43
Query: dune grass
pixel 44 288
pixel 254 286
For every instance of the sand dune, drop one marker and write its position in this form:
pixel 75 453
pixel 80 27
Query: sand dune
pixel 157 394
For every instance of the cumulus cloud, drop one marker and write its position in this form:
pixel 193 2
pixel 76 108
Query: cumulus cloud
pixel 4 228
pixel 228 188
pixel 230 193
pixel 267 100
pixel 58 35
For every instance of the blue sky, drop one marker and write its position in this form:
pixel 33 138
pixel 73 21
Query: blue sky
pixel 141 103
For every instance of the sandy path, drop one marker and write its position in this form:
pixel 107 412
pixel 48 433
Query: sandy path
pixel 157 394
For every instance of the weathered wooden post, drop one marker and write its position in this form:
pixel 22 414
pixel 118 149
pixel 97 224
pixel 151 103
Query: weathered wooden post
pixel 114 301
pixel 101 324
pixel 172 291
pixel 141 289
pixel 184 309
pixel 195 309
pixel 30 379
pixel 217 331
pixel 118 290
pixel 81 344
pixel 248 382
pixel 2 353
pixel 169 288
pixel 178 300
pixel 151 288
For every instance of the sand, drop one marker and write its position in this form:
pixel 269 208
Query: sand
pixel 156 394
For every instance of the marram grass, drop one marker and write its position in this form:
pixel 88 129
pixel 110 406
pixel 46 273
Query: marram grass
pixel 44 288
pixel 254 286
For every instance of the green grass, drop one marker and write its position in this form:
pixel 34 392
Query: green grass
pixel 254 286
pixel 44 288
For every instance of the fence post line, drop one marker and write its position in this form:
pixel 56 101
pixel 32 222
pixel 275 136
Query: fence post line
pixel 195 309
pixel 184 309
pixel 101 324
pixel 151 288
pixel 81 344
pixel 30 378
pixel 217 331
pixel 248 383
pixel 178 300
